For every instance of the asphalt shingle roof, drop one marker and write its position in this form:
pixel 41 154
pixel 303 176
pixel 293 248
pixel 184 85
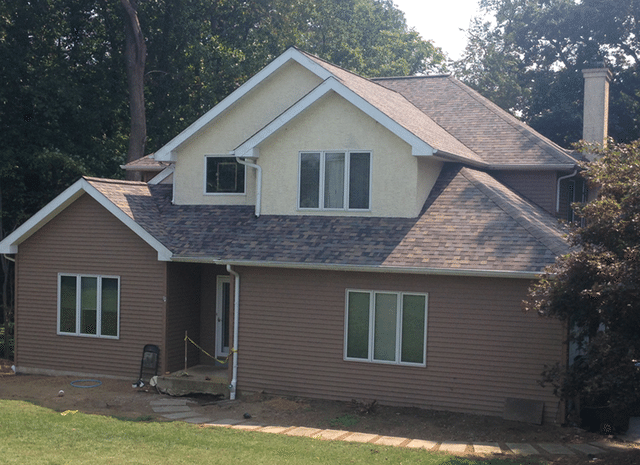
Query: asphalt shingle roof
pixel 493 134
pixel 469 222
pixel 401 110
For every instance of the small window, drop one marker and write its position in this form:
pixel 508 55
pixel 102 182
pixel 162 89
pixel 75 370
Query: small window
pixel 89 305
pixel 224 175
pixel 334 180
pixel 386 327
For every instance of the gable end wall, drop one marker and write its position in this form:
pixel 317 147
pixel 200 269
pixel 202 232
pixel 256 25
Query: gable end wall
pixel 86 239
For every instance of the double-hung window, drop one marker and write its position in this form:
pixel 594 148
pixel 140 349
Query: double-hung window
pixel 89 305
pixel 334 180
pixel 224 175
pixel 386 327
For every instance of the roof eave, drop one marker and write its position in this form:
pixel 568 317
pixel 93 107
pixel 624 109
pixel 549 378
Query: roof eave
pixel 452 157
pixel 533 167
pixel 364 268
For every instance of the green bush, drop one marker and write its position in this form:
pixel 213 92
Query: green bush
pixel 7 345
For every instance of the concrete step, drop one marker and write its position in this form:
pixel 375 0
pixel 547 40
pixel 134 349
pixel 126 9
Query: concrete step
pixel 185 386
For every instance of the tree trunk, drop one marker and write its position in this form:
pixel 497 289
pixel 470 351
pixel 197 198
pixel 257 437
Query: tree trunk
pixel 135 53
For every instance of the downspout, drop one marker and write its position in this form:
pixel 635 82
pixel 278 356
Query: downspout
pixel 562 178
pixel 242 161
pixel 9 258
pixel 236 311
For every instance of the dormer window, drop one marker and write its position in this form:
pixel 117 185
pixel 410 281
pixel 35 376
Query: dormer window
pixel 334 180
pixel 224 175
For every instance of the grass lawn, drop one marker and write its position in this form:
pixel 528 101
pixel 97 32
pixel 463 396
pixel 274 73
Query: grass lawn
pixel 32 434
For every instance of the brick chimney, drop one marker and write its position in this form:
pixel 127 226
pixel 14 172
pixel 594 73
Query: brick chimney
pixel 596 105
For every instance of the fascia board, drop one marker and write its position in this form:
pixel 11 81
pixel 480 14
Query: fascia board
pixel 367 269
pixel 533 167
pixel 166 153
pixel 418 146
pixel 162 175
pixel 446 156
pixel 52 209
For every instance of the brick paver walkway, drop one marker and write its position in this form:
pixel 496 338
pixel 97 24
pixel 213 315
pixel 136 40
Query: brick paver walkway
pixel 177 409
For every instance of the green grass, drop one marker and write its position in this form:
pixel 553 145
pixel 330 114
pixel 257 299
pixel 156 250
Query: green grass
pixel 344 421
pixel 35 435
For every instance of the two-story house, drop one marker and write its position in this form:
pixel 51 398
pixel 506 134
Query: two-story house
pixel 341 237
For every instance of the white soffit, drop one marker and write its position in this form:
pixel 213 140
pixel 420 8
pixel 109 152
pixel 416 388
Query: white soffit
pixel 10 244
pixel 166 153
pixel 248 149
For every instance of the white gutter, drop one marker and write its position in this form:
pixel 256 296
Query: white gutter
pixel 562 178
pixel 367 269
pixel 242 161
pixel 236 312
pixel 526 167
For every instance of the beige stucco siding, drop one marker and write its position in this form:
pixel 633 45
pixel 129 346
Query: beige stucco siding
pixel 481 348
pixel 333 123
pixel 86 239
pixel 252 112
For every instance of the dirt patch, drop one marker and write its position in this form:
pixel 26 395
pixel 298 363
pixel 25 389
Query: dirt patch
pixel 119 399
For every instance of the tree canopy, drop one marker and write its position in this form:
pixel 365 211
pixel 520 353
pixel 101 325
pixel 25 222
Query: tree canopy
pixel 64 100
pixel 63 86
pixel 596 287
pixel 527 56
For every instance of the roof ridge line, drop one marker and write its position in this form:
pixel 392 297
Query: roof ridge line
pixel 418 76
pixel 112 181
pixel 536 230
pixel 541 140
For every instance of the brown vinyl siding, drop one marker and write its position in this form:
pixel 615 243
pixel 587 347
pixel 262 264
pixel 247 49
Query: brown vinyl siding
pixel 481 347
pixel 538 186
pixel 86 239
pixel 183 313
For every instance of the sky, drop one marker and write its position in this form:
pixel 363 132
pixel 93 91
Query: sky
pixel 440 21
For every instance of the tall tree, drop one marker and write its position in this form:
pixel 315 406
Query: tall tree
pixel 199 51
pixel 595 289
pixel 135 55
pixel 59 73
pixel 530 54
pixel 70 73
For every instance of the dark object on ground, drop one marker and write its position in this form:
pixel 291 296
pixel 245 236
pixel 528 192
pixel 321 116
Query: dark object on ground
pixel 604 420
pixel 148 364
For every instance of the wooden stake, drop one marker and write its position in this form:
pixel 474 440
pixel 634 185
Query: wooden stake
pixel 185 351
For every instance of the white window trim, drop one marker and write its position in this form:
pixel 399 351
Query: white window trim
pixel 78 306
pixel 347 173
pixel 204 182
pixel 372 298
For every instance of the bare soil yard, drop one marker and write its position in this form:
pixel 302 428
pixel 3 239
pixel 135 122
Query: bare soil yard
pixel 119 399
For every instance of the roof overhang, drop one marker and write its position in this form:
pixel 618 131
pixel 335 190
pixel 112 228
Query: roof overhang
pixel 249 148
pixel 533 167
pixel 366 269
pixel 11 243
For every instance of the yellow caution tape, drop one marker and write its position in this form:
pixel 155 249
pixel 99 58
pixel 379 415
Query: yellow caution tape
pixel 232 351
